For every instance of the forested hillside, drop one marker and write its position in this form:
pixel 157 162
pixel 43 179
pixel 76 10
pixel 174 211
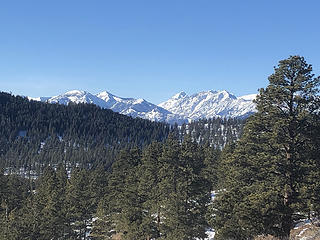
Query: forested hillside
pixel 33 134
pixel 147 195
pixel 217 132
pixel 69 169
pixel 106 176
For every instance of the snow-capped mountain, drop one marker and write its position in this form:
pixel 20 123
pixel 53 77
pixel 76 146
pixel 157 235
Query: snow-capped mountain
pixel 77 96
pixel 250 97
pixel 128 106
pixel 40 99
pixel 210 104
pixel 138 108
pixel 180 108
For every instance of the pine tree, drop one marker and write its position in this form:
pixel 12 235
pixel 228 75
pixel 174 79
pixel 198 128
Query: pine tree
pixel 168 188
pixel 185 191
pixel 211 156
pixel 149 180
pixel 79 204
pixel 264 189
pixel 49 202
pixel 61 188
pixel 125 203
pixel 14 190
pixel 103 225
pixel 102 222
pixel 98 185
pixel 195 190
pixel 24 223
pixel 3 206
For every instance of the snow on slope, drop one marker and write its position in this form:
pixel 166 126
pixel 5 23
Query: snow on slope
pixel 42 99
pixel 180 108
pixel 138 108
pixel 208 104
pixel 249 97
pixel 128 106
pixel 77 96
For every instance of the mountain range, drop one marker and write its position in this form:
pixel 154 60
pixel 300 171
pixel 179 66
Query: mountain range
pixel 178 109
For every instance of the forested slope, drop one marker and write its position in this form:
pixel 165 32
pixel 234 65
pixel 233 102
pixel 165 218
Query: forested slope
pixel 34 133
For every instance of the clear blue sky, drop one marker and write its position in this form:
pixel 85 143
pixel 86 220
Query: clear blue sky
pixel 151 49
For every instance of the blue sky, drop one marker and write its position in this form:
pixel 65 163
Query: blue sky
pixel 151 49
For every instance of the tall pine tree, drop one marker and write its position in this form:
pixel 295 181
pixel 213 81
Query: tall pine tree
pixel 264 191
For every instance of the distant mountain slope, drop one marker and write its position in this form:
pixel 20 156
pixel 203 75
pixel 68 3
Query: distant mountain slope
pixel 77 96
pixel 210 104
pixel 138 108
pixel 127 106
pixel 178 109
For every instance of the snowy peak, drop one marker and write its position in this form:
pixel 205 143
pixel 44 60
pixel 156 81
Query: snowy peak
pixel 178 109
pixel 208 104
pixel 179 95
pixel 128 106
pixel 225 95
pixel 105 95
pixel 39 99
pixel 77 96
pixel 249 97
pixel 138 108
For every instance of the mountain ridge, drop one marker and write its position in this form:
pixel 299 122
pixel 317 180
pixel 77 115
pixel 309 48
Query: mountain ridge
pixel 179 108
pixel 208 104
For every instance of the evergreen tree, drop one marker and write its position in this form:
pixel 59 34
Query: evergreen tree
pixel 98 185
pixel 80 208
pixel 14 190
pixel 185 191
pixel 103 226
pixel 149 180
pixel 125 203
pixel 211 157
pixel 195 190
pixel 35 134
pixel 49 202
pixel 60 190
pixel 168 188
pixel 263 191
pixel 24 223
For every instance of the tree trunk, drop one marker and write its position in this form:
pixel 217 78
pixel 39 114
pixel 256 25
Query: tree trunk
pixel 287 221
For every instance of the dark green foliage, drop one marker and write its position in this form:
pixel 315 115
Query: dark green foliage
pixel 33 134
pixel 189 191
pixel 126 212
pixel 79 203
pixel 217 132
pixel 13 192
pixel 267 179
pixel 103 226
pixel 84 139
pixel 106 179
pixel 149 190
pixel 211 159
pixel 54 208
pixel 49 202
pixel 159 194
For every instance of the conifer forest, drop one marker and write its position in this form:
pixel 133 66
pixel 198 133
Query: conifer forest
pixel 82 172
